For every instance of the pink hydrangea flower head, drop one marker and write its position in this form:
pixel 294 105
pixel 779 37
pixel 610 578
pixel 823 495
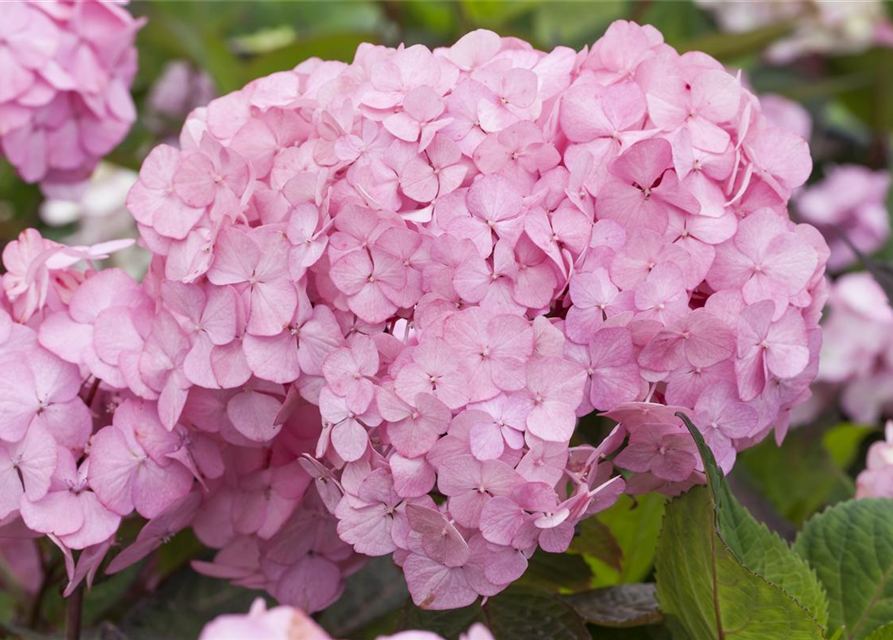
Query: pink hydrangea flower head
pixel 382 294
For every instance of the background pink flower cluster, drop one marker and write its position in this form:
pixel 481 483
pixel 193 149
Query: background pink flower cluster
pixel 383 292
pixel 67 67
pixel 856 368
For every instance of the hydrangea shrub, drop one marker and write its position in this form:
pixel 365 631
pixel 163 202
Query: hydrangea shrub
pixel 383 293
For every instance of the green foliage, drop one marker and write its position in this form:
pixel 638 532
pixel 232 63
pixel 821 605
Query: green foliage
pixel 732 46
pixel 625 605
pixel 517 613
pixel 882 633
pixel 557 572
pixel 521 612
pixel 710 555
pixel 371 594
pixel 595 540
pixel 843 441
pixel 634 524
pixel 799 477
pixel 850 546
pixel 571 25
pixel 494 14
pixel 182 606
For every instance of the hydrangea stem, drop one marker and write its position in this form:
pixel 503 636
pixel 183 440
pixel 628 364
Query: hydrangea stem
pixel 73 613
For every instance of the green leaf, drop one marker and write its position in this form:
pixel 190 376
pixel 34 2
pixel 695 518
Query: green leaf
pixel 557 572
pixel 625 605
pixel 522 612
pixel 449 623
pixel 182 606
pixel 882 633
pixel 635 525
pixel 374 591
pixel 850 546
pixel 755 546
pixel 706 589
pixel 594 539
pixel 516 613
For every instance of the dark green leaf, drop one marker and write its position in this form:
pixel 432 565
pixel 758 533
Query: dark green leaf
pixel 519 612
pixel 449 623
pixel 850 546
pixel 182 606
pixel 374 591
pixel 624 605
pixel 882 633
pixel 557 572
pixel 524 613
pixel 594 539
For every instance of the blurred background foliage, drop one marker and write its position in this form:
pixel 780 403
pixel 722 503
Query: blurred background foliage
pixel 850 99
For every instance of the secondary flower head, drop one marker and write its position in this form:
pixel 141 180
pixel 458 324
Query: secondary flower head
pixel 848 205
pixel 65 102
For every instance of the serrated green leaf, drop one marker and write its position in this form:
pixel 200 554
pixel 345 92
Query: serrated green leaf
pixel 705 593
pixel 882 633
pixel 706 588
pixel 755 546
pixel 621 606
pixel 522 612
pixel 850 546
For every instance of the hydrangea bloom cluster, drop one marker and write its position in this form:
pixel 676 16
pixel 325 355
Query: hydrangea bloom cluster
pixel 819 26
pixel 288 623
pixel 67 67
pixel 857 354
pixel 876 480
pixel 383 292
pixel 849 203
